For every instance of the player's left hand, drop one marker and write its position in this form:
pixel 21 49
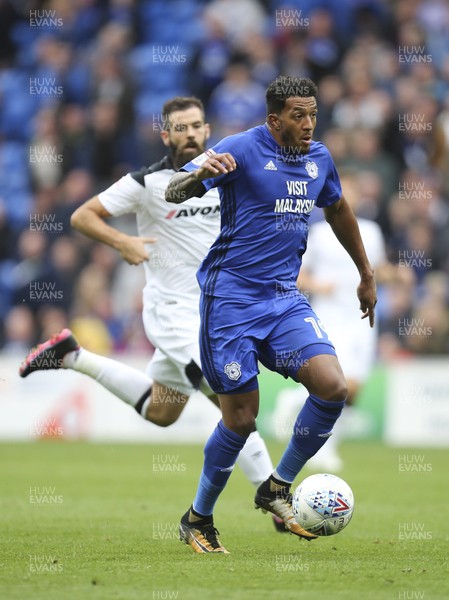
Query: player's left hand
pixel 366 293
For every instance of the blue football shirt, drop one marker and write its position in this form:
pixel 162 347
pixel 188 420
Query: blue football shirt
pixel 265 206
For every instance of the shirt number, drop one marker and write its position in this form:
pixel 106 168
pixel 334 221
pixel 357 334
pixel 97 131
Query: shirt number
pixel 317 326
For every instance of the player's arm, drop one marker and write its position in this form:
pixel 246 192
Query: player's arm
pixel 185 185
pixel 340 217
pixel 89 219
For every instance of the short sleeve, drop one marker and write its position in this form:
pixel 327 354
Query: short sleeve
pixel 331 191
pixel 232 145
pixel 122 197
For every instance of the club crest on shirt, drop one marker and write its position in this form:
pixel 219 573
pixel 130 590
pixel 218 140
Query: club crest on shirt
pixel 312 169
pixel 233 371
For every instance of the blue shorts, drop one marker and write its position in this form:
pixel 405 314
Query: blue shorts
pixel 234 335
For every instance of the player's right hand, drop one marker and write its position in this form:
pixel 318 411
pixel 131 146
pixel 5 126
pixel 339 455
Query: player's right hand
pixel 132 249
pixel 215 165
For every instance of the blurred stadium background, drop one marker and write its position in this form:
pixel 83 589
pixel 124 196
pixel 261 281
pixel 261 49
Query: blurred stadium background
pixel 82 83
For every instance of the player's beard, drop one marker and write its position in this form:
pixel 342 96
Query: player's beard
pixel 291 146
pixel 181 156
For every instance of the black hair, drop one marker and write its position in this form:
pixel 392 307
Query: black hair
pixel 284 87
pixel 180 103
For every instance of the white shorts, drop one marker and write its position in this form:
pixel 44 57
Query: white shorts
pixel 355 343
pixel 172 327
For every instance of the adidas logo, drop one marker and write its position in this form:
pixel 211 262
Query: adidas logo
pixel 270 166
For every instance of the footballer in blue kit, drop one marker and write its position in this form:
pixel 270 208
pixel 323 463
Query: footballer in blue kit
pixel 269 179
pixel 248 277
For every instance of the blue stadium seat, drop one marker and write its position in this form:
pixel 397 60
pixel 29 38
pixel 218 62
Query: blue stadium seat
pixel 153 75
pixel 17 106
pixel 149 104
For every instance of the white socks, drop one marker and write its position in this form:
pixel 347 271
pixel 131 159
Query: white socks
pixel 254 459
pixel 128 384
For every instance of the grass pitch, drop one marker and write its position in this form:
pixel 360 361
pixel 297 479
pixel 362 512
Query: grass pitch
pixel 81 521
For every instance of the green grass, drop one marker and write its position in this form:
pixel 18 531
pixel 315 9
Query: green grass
pixel 110 531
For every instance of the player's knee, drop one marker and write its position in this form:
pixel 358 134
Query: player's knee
pixel 245 429
pixel 239 412
pixel 158 415
pixel 341 393
pixel 242 424
pixel 334 389
pixel 161 420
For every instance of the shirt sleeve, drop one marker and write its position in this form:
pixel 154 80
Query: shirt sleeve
pixel 122 197
pixel 331 191
pixel 232 145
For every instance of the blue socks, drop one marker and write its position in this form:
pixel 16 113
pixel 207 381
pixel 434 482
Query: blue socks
pixel 220 454
pixel 313 424
pixel 312 428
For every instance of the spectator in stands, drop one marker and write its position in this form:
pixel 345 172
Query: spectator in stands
pixel 237 103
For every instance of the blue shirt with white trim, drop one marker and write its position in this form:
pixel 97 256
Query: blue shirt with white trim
pixel 265 206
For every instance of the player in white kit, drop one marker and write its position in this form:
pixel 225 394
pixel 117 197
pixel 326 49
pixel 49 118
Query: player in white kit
pixel 171 243
pixel 327 275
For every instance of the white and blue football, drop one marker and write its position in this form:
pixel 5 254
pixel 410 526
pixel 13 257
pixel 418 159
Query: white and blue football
pixel 323 504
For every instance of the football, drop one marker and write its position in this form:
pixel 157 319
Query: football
pixel 323 504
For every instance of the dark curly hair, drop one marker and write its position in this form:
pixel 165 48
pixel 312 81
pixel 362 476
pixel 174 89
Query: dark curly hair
pixel 284 87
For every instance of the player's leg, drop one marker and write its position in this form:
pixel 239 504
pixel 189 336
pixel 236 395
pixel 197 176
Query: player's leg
pixel 174 382
pixel 322 376
pixel 184 378
pixel 164 406
pixel 62 351
pixel 312 428
pixel 328 458
pixel 229 363
pixel 154 401
pixel 314 365
pixel 255 462
pixel 356 347
pixel 167 405
pixel 239 412
pixel 254 458
pixel 308 357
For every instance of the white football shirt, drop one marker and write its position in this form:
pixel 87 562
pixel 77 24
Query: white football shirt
pixel 339 312
pixel 328 261
pixel 184 232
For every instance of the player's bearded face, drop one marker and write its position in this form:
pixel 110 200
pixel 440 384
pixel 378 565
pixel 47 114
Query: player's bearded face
pixel 188 134
pixel 186 151
pixel 297 123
